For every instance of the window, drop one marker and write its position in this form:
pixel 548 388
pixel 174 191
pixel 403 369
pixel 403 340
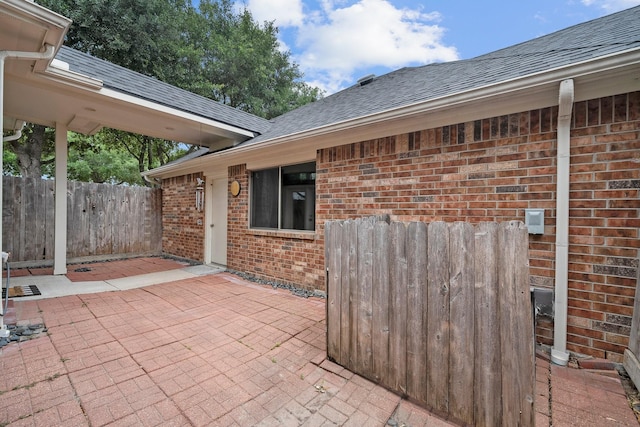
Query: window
pixel 284 197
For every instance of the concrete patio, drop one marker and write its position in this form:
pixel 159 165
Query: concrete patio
pixel 190 345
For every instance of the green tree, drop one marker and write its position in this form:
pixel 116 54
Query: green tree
pixel 111 157
pixel 146 36
pixel 244 59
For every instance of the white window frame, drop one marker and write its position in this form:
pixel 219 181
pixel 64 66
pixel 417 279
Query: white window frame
pixel 279 201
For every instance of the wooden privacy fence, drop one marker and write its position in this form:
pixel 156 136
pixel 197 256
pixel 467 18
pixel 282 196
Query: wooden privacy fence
pixel 440 313
pixel 102 219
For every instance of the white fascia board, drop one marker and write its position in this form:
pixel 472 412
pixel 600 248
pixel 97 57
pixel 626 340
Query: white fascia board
pixel 72 78
pixel 151 105
pixel 34 16
pixel 529 92
pixel 36 13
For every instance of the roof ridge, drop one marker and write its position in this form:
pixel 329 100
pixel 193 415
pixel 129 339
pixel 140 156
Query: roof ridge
pixel 562 30
pixel 569 49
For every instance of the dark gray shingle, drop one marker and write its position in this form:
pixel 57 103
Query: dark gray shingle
pixel 126 81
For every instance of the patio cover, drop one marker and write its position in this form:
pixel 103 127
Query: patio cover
pixel 89 93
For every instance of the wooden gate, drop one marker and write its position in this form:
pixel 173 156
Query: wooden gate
pixel 437 312
pixel 102 219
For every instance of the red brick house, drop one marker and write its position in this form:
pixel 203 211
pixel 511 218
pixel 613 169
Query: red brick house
pixel 552 124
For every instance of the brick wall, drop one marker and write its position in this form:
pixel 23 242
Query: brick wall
pixel 182 223
pixel 492 170
pixel 287 257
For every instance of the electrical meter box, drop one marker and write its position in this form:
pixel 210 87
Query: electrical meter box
pixel 534 220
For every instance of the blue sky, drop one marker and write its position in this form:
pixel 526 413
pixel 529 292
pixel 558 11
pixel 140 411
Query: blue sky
pixel 335 42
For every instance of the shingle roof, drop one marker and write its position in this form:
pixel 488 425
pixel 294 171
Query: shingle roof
pixel 126 81
pixel 406 86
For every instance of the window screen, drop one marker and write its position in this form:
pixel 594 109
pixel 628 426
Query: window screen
pixel 284 198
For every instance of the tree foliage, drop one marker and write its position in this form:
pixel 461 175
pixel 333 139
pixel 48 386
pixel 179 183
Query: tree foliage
pixel 215 51
pixel 243 57
pixel 115 157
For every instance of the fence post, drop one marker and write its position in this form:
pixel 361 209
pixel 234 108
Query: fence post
pixel 398 308
pixel 380 297
pixel 333 232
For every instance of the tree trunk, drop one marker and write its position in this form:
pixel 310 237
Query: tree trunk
pixel 29 152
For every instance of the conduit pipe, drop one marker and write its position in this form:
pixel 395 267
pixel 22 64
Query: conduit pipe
pixel 559 354
pixel 49 53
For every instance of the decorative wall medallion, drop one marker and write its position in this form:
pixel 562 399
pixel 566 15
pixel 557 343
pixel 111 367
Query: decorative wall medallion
pixel 235 188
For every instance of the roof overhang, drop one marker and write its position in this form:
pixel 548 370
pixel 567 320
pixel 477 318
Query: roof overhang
pixel 27 27
pixel 605 76
pixel 47 92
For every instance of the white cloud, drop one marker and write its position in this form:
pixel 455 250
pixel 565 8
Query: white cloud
pixel 335 43
pixel 285 13
pixel 541 18
pixel 610 6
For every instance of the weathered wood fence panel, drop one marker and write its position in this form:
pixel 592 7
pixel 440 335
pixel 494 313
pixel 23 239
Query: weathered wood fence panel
pixel 632 354
pixel 102 219
pixel 437 312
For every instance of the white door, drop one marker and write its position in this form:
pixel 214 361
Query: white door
pixel 218 223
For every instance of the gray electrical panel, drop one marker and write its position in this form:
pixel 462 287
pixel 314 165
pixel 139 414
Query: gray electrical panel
pixel 534 220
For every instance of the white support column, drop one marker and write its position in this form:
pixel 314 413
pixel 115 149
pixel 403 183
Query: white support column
pixel 60 232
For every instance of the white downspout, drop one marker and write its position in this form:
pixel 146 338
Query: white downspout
pixel 4 55
pixel 559 353
pixel 15 136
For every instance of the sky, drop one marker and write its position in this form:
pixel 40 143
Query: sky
pixel 336 42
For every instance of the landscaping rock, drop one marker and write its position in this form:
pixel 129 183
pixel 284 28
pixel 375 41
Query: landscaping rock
pixel 24 333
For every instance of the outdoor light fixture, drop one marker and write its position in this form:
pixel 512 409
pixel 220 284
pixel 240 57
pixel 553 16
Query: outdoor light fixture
pixel 200 194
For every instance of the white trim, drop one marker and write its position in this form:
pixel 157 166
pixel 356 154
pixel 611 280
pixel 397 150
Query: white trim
pixel 152 105
pixel 33 12
pixel 71 77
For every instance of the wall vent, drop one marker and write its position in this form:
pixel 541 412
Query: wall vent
pixel 366 79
